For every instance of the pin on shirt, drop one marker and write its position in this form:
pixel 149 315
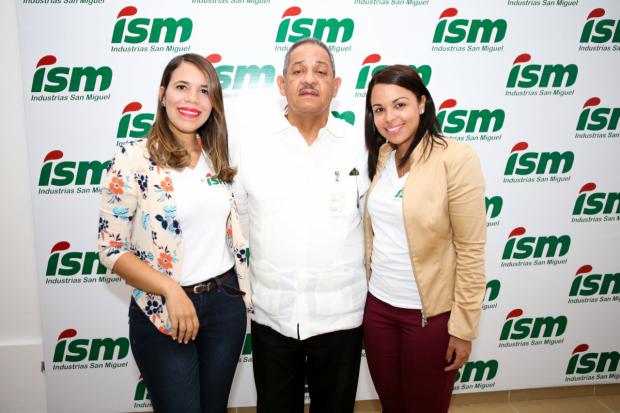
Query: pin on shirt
pixel 354 172
pixel 336 199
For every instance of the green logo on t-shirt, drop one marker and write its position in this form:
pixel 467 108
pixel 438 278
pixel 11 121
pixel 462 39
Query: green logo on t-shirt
pixel 213 180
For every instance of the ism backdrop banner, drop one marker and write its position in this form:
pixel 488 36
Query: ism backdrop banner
pixel 532 85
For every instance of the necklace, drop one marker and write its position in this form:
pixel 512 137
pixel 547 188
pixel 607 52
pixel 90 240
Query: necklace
pixel 208 175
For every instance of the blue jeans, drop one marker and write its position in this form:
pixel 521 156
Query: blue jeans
pixel 194 377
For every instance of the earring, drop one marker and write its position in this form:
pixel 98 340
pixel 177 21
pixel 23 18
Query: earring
pixel 163 103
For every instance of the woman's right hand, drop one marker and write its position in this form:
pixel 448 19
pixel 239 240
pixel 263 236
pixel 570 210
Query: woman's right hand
pixel 182 314
pixel 181 310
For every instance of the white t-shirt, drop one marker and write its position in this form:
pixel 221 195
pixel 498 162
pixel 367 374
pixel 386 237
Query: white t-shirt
pixel 392 278
pixel 203 205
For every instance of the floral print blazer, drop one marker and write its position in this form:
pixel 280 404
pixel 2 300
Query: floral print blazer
pixel 138 215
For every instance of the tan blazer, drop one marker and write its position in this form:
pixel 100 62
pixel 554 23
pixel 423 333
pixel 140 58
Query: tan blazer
pixel 445 221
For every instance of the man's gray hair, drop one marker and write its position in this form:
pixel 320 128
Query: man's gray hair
pixel 308 40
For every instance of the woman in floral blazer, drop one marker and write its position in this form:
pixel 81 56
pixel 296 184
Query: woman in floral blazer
pixel 169 226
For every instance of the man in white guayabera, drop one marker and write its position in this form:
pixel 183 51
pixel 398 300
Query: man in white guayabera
pixel 301 176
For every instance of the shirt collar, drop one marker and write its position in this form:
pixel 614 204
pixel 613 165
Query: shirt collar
pixel 334 126
pixel 282 123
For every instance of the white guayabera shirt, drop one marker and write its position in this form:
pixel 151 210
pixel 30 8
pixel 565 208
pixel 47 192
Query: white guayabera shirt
pixel 302 204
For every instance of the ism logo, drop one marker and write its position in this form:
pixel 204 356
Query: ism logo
pixel 242 76
pixel 467 35
pixel 600 34
pixel 347 116
pixel 525 166
pixel 246 351
pixel 519 331
pixel 476 375
pixel 370 67
pixel 522 251
pixel 584 365
pixel 56 174
pixel 329 30
pixel 595 206
pixel 531 79
pixel 493 207
pixel 491 294
pixel 141 396
pixel 73 353
pixel 51 82
pixel 596 121
pixel 65 266
pixel 138 31
pixel 133 122
pixel 470 125
pixel 589 287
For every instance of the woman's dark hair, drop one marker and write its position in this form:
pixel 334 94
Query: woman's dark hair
pixel 429 131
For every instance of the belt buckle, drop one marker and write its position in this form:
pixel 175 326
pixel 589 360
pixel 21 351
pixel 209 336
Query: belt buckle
pixel 202 288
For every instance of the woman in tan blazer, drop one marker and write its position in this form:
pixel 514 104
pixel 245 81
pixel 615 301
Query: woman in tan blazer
pixel 425 234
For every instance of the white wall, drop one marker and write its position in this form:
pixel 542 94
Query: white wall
pixel 22 386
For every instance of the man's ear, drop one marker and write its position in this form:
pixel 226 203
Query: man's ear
pixel 282 85
pixel 337 82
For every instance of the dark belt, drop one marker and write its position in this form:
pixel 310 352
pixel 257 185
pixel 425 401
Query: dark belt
pixel 212 284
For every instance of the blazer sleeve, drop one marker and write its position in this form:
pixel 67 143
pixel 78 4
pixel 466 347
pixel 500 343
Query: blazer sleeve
pixel 468 221
pixel 119 199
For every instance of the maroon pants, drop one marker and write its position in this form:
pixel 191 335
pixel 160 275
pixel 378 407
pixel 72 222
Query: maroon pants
pixel 407 361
